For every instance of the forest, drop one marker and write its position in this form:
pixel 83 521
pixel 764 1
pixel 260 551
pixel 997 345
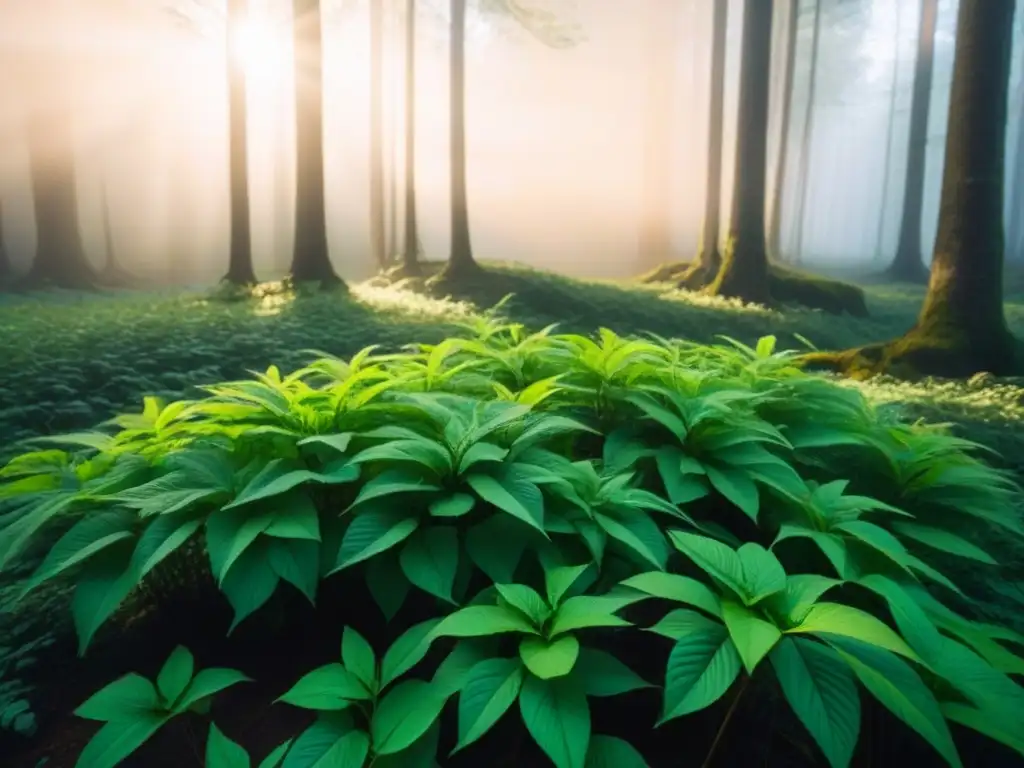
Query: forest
pixel 588 384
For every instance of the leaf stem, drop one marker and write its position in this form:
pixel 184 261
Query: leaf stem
pixel 725 721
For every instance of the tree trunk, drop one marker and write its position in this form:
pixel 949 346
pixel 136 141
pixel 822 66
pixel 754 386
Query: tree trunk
pixel 778 188
pixel 1015 226
pixel 907 264
pixel 744 271
pixel 60 258
pixel 410 249
pixel 808 135
pixel 240 265
pixel 6 270
pixel 879 235
pixel 311 259
pixel 460 261
pixel 377 245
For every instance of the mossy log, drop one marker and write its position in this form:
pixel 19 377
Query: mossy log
pixel 786 285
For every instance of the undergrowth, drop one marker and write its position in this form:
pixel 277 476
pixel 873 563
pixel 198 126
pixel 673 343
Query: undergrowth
pixel 579 518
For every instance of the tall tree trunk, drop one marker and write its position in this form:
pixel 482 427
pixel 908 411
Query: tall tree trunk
pixel 60 258
pixel 311 259
pixel 410 247
pixel 1015 226
pixel 6 269
pixel 779 185
pixel 887 161
pixel 240 265
pixel 907 264
pixel 709 259
pixel 377 245
pixel 744 271
pixel 808 136
pixel 460 261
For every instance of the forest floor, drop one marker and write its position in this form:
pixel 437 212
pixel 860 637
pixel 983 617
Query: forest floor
pixel 70 360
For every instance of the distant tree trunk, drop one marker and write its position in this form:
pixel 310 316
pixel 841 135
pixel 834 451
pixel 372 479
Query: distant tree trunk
pixel 888 134
pixel 410 248
pixel 744 271
pixel 377 245
pixel 779 185
pixel 708 258
pixel 60 258
pixel 1015 226
pixel 807 136
pixel 311 259
pixel 907 264
pixel 240 265
pixel 460 261
pixel 112 274
pixel 6 269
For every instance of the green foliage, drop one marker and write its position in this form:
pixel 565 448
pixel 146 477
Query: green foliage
pixel 534 489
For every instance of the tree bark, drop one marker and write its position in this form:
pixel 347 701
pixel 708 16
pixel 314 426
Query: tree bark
pixel 907 264
pixel 744 271
pixel 377 245
pixel 410 249
pixel 460 260
pixel 887 161
pixel 311 259
pixel 240 265
pixel 808 135
pixel 1015 226
pixel 778 188
pixel 6 270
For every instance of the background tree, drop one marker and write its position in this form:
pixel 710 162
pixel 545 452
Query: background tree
pixel 112 274
pixel 744 270
pixel 890 129
pixel 807 136
pixel 311 259
pixel 786 109
pixel 6 270
pixel 410 237
pixel 378 247
pixel 907 264
pixel 962 326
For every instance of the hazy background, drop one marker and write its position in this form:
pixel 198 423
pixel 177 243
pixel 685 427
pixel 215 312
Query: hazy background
pixel 564 147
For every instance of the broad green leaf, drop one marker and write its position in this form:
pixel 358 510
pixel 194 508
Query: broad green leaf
pixel 680 589
pixel 162 536
pixel 838 619
pixel 584 611
pixel 328 743
pixel 430 559
pixel 559 580
pixel 601 674
pixel 452 673
pixel 420 451
pixel 681 487
pixel 358 657
pixel 982 721
pixel 327 688
pixel 496 546
pixel 422 753
pixel 899 688
pixel 125 699
pixel 404 714
pixel 175 674
pixel 115 741
pixel 482 621
pixel 763 574
pixel 296 517
pixel 206 683
pixel 877 538
pixel 718 560
pixel 84 539
pixel 222 752
pixel 276 756
pixel 490 688
pixel 100 589
pixel 942 540
pixel 373 531
pixel 386 582
pixel 790 606
pixel 753 636
pixel 249 583
pixel 701 668
pixel 455 505
pixel 407 651
pixel 521 500
pixel 525 599
pixel 297 561
pixel 612 752
pixel 548 659
pixel 736 486
pixel 820 688
pixel 392 482
pixel 229 533
pixel 638 532
pixel 681 622
pixel 557 716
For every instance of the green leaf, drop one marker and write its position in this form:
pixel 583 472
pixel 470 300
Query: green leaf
pixel 358 657
pixel 763 574
pixel 392 482
pixel 373 531
pixel 175 675
pixel 639 533
pixel 430 559
pixel 164 535
pixel 456 505
pixel 296 518
pixel 753 636
pixel 206 683
pixel 601 674
pixel 229 533
pixel 115 741
pixel 942 540
pixel 222 752
pixel 612 752
pixel 736 486
pixel 682 487
pixel 327 688
pixel 681 622
pixel 877 538
pixel 490 688
pixel 329 743
pixel 404 714
pixel 276 756
pixel 548 659
pixel 387 583
pixel 899 688
pixel 250 583
pixel 701 668
pixel 838 619
pixel 407 651
pixel 585 611
pixel 496 546
pixel 125 699
pixel 100 589
pixel 718 560
pixel 557 716
pixel 84 539
pixel 681 589
pixel 520 499
pixel 819 687
pixel 297 561
pixel 790 606
pixel 422 753
pixel 525 599
pixel 559 580
pixel 996 728
pixel 482 621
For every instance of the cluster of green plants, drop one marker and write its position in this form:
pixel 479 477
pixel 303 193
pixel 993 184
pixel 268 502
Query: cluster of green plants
pixel 558 501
